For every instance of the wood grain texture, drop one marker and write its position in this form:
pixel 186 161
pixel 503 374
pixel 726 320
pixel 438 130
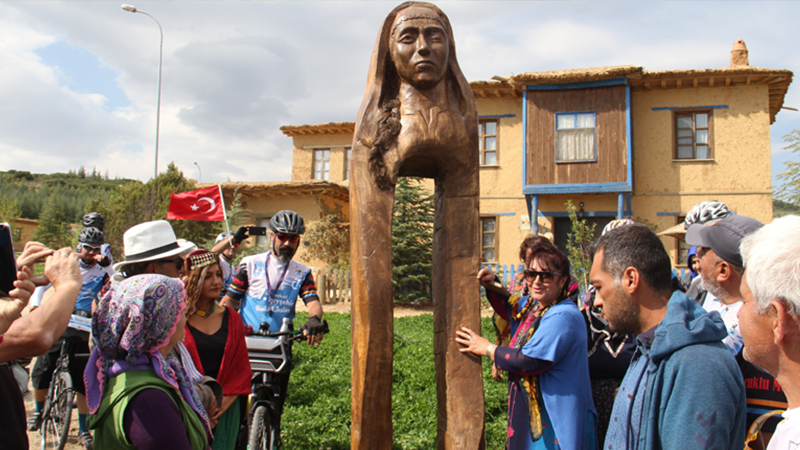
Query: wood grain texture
pixel 437 138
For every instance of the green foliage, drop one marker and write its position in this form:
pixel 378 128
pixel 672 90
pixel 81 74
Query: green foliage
pixel 134 203
pixel 578 242
pixel 9 211
pixel 653 227
pixel 789 191
pixel 780 209
pixel 72 191
pixel 412 241
pixel 317 412
pixel 55 228
pixel 329 238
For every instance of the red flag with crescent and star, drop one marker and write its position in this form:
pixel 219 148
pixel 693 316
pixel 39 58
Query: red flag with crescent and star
pixel 202 204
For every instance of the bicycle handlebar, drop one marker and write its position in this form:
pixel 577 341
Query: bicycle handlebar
pixel 294 335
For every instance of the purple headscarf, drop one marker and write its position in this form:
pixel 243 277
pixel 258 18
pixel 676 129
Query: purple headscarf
pixel 134 320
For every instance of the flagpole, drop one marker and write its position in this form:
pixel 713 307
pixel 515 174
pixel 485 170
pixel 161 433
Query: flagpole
pixel 225 214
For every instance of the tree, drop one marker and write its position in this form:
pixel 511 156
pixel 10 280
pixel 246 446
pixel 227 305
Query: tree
pixel 578 242
pixel 329 237
pixel 789 191
pixel 412 241
pixel 55 228
pixel 134 203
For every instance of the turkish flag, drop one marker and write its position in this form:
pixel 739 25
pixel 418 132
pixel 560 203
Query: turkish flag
pixel 202 204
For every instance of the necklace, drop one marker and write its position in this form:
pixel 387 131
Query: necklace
pixel 205 314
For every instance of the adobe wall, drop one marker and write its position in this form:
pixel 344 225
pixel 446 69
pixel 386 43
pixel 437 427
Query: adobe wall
pixel 664 185
pixel 302 158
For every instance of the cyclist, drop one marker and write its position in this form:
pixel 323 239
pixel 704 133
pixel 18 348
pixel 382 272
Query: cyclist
pixel 225 246
pixel 96 220
pixel 268 285
pixel 94 275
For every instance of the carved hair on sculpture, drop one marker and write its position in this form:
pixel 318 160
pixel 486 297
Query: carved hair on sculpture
pixel 379 118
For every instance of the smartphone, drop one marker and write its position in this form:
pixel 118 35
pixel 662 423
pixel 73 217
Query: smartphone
pixel 8 264
pixel 257 231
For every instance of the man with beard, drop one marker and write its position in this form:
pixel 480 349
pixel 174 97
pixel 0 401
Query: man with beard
pixel 682 389
pixel 721 270
pixel 268 284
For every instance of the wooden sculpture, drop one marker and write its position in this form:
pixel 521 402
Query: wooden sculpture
pixel 418 118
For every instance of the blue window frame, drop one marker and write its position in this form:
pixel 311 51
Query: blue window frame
pixel 576 137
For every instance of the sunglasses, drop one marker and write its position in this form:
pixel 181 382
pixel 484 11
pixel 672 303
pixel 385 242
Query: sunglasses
pixel 90 248
pixel 546 277
pixel 178 262
pixel 293 238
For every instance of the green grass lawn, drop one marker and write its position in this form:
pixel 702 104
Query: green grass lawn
pixel 317 413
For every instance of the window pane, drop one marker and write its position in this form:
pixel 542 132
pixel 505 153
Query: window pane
pixel 701 120
pixel 326 165
pixel 325 176
pixel 585 121
pixel 702 136
pixel 488 240
pixel 488 225
pixel 488 254
pixel 703 152
pixel 684 133
pixel 491 158
pixel 685 152
pixel 480 128
pixel 317 165
pixel 491 143
pixel 685 141
pixel 491 127
pixel 565 121
pixel 684 121
pixel 317 154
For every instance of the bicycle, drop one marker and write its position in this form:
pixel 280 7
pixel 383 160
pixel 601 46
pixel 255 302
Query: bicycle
pixel 270 356
pixel 57 411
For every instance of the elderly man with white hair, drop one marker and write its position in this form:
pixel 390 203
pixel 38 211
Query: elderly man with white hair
pixel 769 318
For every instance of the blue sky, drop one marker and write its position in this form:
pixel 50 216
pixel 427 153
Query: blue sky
pixel 78 79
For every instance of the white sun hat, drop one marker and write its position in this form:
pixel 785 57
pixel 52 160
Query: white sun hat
pixel 150 241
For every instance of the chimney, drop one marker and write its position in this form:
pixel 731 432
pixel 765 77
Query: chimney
pixel 739 54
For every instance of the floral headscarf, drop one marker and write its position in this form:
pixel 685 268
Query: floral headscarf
pixel 134 320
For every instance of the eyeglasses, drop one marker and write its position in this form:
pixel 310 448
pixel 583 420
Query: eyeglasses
pixel 178 262
pixel 90 248
pixel 546 277
pixel 293 238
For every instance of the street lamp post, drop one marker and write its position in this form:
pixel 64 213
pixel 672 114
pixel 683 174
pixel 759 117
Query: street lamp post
pixel 132 9
pixel 199 177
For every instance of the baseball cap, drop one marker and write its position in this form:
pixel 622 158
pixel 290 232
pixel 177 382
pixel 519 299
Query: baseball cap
pixel 723 236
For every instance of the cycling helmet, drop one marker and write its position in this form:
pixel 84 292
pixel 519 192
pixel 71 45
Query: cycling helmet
pixel 94 220
pixel 91 236
pixel 616 224
pixel 705 212
pixel 288 222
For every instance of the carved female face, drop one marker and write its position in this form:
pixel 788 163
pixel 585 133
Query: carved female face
pixel 420 49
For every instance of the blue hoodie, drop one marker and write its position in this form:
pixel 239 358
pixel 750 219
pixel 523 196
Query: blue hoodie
pixel 684 391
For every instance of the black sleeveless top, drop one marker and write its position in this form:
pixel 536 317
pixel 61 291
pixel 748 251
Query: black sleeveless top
pixel 211 347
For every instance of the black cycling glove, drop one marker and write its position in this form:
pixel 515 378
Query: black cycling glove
pixel 314 326
pixel 240 235
pixel 104 262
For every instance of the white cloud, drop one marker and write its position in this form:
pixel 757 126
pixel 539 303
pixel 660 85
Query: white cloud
pixel 235 71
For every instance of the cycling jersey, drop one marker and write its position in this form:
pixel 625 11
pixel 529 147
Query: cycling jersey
pixel 228 272
pixel 93 276
pixel 268 289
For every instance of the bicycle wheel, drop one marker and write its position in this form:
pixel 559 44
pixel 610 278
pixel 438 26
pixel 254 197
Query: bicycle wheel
pixel 260 430
pixel 55 425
